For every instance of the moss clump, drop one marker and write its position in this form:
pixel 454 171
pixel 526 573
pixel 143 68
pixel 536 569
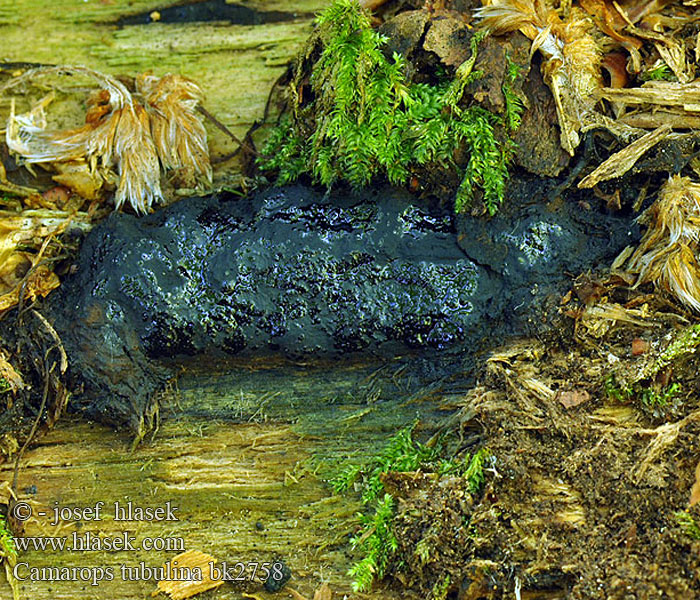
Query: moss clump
pixel 642 383
pixel 440 589
pixel 8 555
pixel 376 538
pixel 401 453
pixel 377 542
pixel 654 399
pixel 367 119
pixel 514 105
pixel 7 541
pixel 659 399
pixel 688 524
pixel 683 345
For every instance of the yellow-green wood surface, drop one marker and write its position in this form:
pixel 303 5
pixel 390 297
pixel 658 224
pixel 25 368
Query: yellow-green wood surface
pixel 236 65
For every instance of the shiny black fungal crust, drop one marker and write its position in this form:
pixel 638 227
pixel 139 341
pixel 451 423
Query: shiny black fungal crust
pixel 298 273
pixel 289 271
pixel 210 11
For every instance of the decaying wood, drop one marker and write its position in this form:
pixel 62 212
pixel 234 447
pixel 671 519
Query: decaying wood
pixel 621 162
pixel 658 118
pixel 248 486
pixel 659 93
pixel 179 589
pixel 235 65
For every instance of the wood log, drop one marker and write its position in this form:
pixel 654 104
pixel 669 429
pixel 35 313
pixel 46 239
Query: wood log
pixel 243 458
pixel 244 485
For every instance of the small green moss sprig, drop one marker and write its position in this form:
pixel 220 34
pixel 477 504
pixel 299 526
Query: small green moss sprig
pixel 369 120
pixel 376 539
pixel 284 153
pixel 660 399
pixel 514 104
pixel 649 398
pixel 377 542
pixel 639 384
pixel 401 453
pixel 8 549
pixel 684 343
pixel 441 588
pixel 616 391
pixel 475 469
pixel 660 72
pixel 688 524
pixel 8 555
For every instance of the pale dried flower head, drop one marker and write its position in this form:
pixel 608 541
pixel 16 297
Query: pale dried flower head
pixel 176 126
pixel 667 255
pixel 122 136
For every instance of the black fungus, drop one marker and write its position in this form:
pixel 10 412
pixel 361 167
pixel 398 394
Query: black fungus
pixel 296 272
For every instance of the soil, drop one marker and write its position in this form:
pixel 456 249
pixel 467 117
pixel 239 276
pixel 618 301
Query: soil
pixel 582 498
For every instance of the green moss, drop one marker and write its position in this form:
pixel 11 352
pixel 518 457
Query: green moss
pixel 661 72
pixel 474 472
pixel 8 555
pixel 688 523
pixel 641 383
pixel 650 398
pixel 377 542
pixel 616 391
pixel 376 539
pixel 346 478
pixel 367 119
pixel 440 589
pixel 514 105
pixel 659 399
pixel 401 453
pixel 684 344
pixel 7 542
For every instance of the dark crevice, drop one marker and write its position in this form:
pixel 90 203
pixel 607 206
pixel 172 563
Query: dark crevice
pixel 211 10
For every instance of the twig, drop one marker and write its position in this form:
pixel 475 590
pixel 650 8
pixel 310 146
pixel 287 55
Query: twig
pixel 225 129
pixel 35 425
pixel 54 335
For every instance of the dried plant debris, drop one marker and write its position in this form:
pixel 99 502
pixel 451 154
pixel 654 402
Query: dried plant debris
pixel 124 142
pixel 565 462
pixel 572 60
pixel 187 575
pixel 642 45
pixel 621 162
pixel 667 255
pixel 10 379
pixel 25 241
pixel 176 126
pixel 646 49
